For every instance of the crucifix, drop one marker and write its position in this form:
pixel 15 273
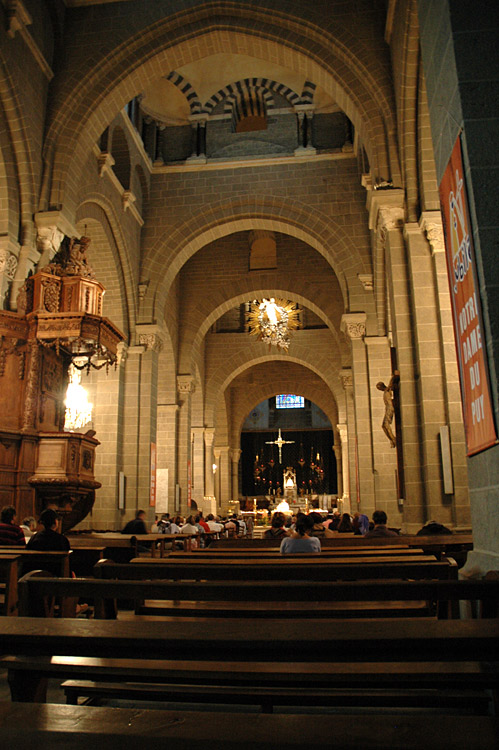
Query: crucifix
pixel 279 442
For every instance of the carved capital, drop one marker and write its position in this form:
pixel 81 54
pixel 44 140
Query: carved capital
pixel 8 264
pixel 431 223
pixel 346 379
pixel 151 342
pixel 48 241
pixel 366 279
pixel 342 432
pixel 142 290
pixel 354 325
pixel 389 218
pixel 122 353
pixel 186 384
pixel 209 436
pixel 235 455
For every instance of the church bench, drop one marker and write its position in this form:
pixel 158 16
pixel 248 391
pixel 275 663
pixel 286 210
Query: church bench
pixel 56 562
pixel 52 727
pixel 261 599
pixel 328 552
pixel 9 573
pixel 392 655
pixel 293 568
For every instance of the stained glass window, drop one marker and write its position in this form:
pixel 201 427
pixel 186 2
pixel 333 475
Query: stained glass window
pixel 289 401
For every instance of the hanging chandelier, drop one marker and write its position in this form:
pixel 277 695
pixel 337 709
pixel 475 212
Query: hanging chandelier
pixel 78 409
pixel 272 320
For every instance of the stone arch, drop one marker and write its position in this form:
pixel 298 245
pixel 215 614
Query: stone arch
pixel 292 289
pixel 265 84
pixel 271 377
pixel 353 75
pixel 111 264
pixel 245 356
pixel 120 152
pixel 274 214
pixel 187 89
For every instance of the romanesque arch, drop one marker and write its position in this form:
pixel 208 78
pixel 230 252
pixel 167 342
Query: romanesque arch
pixel 357 80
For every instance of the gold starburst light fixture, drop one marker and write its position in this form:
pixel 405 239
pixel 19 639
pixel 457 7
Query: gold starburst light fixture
pixel 272 320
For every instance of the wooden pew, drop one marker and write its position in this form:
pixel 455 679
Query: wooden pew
pixel 253 599
pixel 293 568
pixel 310 658
pixel 274 553
pixel 56 563
pixel 52 727
pixel 9 573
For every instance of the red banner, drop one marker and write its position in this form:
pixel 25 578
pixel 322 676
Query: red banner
pixel 473 371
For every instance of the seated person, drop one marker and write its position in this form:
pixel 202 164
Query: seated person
pixel 301 541
pixel 319 530
pixel 432 527
pixel 277 530
pixel 137 525
pixel 10 533
pixel 380 527
pixel 213 525
pixel 345 526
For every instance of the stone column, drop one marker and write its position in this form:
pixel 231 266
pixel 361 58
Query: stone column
pixel 384 456
pixel 304 115
pixel 345 495
pixel 197 466
pixel 223 460
pixel 166 446
pixel 339 469
pixel 235 455
pixel 185 388
pixel 350 483
pixel 386 220
pixel 217 488
pixel 107 420
pixel 198 125
pixel 209 460
pixel 354 326
pixel 431 224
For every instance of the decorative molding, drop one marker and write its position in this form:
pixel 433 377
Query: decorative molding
pixel 127 199
pixel 354 325
pixel 105 162
pixel 431 223
pixel 367 281
pixel 18 20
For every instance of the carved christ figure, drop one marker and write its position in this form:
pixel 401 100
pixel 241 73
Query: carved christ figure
pixel 386 425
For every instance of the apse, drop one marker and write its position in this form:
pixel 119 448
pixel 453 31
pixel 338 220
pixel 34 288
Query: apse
pixel 282 432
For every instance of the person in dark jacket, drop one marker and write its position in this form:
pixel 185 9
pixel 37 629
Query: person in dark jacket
pixel 10 532
pixel 137 525
pixel 432 527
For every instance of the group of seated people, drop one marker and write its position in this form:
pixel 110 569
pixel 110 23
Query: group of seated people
pixel 302 533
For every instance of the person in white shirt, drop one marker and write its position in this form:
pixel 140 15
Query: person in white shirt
pixel 214 525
